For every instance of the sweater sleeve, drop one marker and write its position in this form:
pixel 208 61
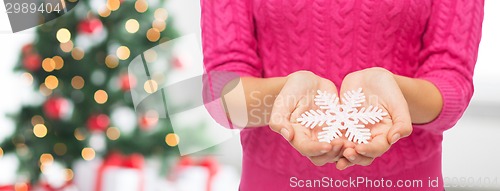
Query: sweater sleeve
pixel 228 37
pixel 229 50
pixel 448 56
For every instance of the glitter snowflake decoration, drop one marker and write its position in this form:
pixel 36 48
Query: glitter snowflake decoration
pixel 345 116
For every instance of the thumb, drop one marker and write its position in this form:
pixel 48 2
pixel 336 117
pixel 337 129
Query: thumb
pixel 280 118
pixel 402 126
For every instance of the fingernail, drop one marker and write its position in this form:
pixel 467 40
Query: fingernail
pixel 351 158
pixel 324 151
pixel 395 138
pixel 284 132
pixel 362 152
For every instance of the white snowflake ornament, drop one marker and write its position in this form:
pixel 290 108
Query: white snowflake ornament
pixel 345 116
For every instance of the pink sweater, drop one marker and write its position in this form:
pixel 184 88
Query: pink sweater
pixel 435 40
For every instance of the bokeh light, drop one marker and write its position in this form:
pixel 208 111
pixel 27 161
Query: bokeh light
pixel 46 159
pixel 161 14
pixel 67 46
pixel 123 52
pixel 79 135
pixel 159 24
pixel 111 61
pixel 28 77
pixel 113 5
pixel 132 26
pixel 77 53
pixel 44 90
pixel 60 149
pixel 88 153
pixel 113 133
pixel 153 34
pixel 172 139
pixel 141 6
pixel 40 130
pixel 69 174
pixel 63 35
pixel 150 86
pixel 100 96
pixel 77 82
pixel 37 120
pixel 51 82
pixel 59 62
pixel 104 12
pixel 48 64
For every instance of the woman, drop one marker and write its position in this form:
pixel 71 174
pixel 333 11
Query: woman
pixel 416 56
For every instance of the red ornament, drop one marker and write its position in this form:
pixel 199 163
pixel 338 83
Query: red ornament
pixel 90 26
pixel 57 108
pixel 98 123
pixel 27 49
pixel 127 82
pixel 178 63
pixel 32 62
pixel 149 120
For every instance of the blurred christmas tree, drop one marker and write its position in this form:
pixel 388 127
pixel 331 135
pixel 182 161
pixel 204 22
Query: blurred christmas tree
pixel 78 62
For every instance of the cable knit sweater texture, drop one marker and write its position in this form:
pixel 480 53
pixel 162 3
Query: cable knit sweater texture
pixel 435 40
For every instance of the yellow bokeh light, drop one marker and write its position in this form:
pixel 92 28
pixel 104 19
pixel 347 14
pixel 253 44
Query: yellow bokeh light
pixel 67 46
pixel 172 139
pixel 69 174
pixel 46 159
pixel 40 130
pixel 161 14
pixel 79 135
pixel 111 61
pixel 63 35
pixel 123 52
pixel 51 82
pixel 141 6
pixel 60 149
pixel 77 53
pixel 77 82
pixel 59 62
pixel 113 5
pixel 113 133
pixel 48 64
pixel 100 96
pixel 132 26
pixel 159 24
pixel 1 152
pixel 88 153
pixel 28 77
pixel 104 12
pixel 150 86
pixel 153 34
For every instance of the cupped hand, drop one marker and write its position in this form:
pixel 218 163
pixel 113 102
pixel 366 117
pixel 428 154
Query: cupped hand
pixel 381 90
pixel 296 97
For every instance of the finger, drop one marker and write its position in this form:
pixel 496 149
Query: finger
pixel 401 122
pixel 280 117
pixel 343 163
pixel 355 158
pixel 375 148
pixel 308 147
pixel 330 157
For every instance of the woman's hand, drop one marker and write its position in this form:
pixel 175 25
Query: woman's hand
pixel 381 90
pixel 296 97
